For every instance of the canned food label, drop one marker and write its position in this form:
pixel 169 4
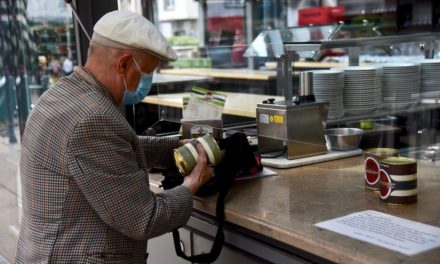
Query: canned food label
pixel 192 148
pixel 386 185
pixel 208 150
pixel 372 168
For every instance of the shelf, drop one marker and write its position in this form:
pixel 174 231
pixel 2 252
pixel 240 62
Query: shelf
pixel 361 42
pixel 244 104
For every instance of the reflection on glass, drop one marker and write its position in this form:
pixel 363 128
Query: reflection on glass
pixel 55 39
pixel 37 47
pixel 232 47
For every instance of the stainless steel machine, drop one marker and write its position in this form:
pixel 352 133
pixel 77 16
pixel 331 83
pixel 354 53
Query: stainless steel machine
pixel 297 124
pixel 299 128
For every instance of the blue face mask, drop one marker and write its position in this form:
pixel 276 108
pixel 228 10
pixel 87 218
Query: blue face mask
pixel 142 90
pixel 144 87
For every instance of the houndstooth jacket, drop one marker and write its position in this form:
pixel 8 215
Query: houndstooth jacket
pixel 86 196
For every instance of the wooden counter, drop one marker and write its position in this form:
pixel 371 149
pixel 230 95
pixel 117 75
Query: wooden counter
pixel 240 104
pixel 286 207
pixel 243 74
pixel 166 79
pixel 311 65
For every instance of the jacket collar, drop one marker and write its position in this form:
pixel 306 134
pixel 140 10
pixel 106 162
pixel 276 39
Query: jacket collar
pixel 88 77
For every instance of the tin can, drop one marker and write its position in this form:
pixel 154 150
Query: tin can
pixel 372 166
pixel 186 156
pixel 398 180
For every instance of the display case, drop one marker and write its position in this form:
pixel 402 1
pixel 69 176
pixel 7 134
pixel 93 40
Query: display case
pixel 394 100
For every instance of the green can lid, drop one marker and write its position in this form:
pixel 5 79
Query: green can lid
pixel 382 151
pixel 399 161
pixel 185 161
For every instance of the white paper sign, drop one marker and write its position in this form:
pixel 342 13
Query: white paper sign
pixel 203 104
pixel 202 109
pixel 394 233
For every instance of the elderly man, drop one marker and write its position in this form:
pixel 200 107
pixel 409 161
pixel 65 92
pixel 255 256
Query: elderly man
pixel 86 195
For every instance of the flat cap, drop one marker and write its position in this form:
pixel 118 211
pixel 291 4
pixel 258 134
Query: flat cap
pixel 127 30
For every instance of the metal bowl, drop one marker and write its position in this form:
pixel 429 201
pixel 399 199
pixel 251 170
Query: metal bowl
pixel 344 138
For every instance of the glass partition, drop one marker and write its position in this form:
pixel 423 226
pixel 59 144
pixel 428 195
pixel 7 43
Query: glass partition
pixel 37 47
pixel 228 55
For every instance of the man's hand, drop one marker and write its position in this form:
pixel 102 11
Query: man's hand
pixel 201 172
pixel 184 141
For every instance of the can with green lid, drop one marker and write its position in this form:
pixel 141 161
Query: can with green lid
pixel 372 165
pixel 186 156
pixel 398 180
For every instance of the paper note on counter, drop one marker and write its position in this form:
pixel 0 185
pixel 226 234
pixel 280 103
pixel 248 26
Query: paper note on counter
pixel 394 233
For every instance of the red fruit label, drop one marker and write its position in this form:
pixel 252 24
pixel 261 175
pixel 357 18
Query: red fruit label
pixel 372 169
pixel 386 185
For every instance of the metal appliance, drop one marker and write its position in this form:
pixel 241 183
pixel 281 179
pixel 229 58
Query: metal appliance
pixel 296 124
pixel 299 128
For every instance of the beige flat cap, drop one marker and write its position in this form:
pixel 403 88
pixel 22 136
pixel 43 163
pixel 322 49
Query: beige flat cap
pixel 127 30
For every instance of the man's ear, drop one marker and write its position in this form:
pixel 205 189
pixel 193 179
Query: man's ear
pixel 122 63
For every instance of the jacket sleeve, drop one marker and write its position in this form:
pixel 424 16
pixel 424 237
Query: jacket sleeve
pixel 103 164
pixel 158 150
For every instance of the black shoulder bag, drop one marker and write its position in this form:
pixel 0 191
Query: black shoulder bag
pixel 238 160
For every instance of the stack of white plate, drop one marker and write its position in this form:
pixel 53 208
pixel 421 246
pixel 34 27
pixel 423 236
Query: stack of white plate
pixel 328 86
pixel 430 78
pixel 362 89
pixel 401 84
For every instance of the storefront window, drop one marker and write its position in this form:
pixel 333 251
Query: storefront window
pixel 37 44
pixel 169 4
pixel 131 5
pixel 215 40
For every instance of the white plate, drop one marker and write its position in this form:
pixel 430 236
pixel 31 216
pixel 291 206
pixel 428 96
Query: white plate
pixel 358 68
pixel 325 72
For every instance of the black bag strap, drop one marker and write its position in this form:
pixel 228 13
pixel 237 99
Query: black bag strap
pixel 219 239
pixel 229 169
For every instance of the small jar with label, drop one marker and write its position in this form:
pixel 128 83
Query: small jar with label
pixel 398 180
pixel 372 166
pixel 186 156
